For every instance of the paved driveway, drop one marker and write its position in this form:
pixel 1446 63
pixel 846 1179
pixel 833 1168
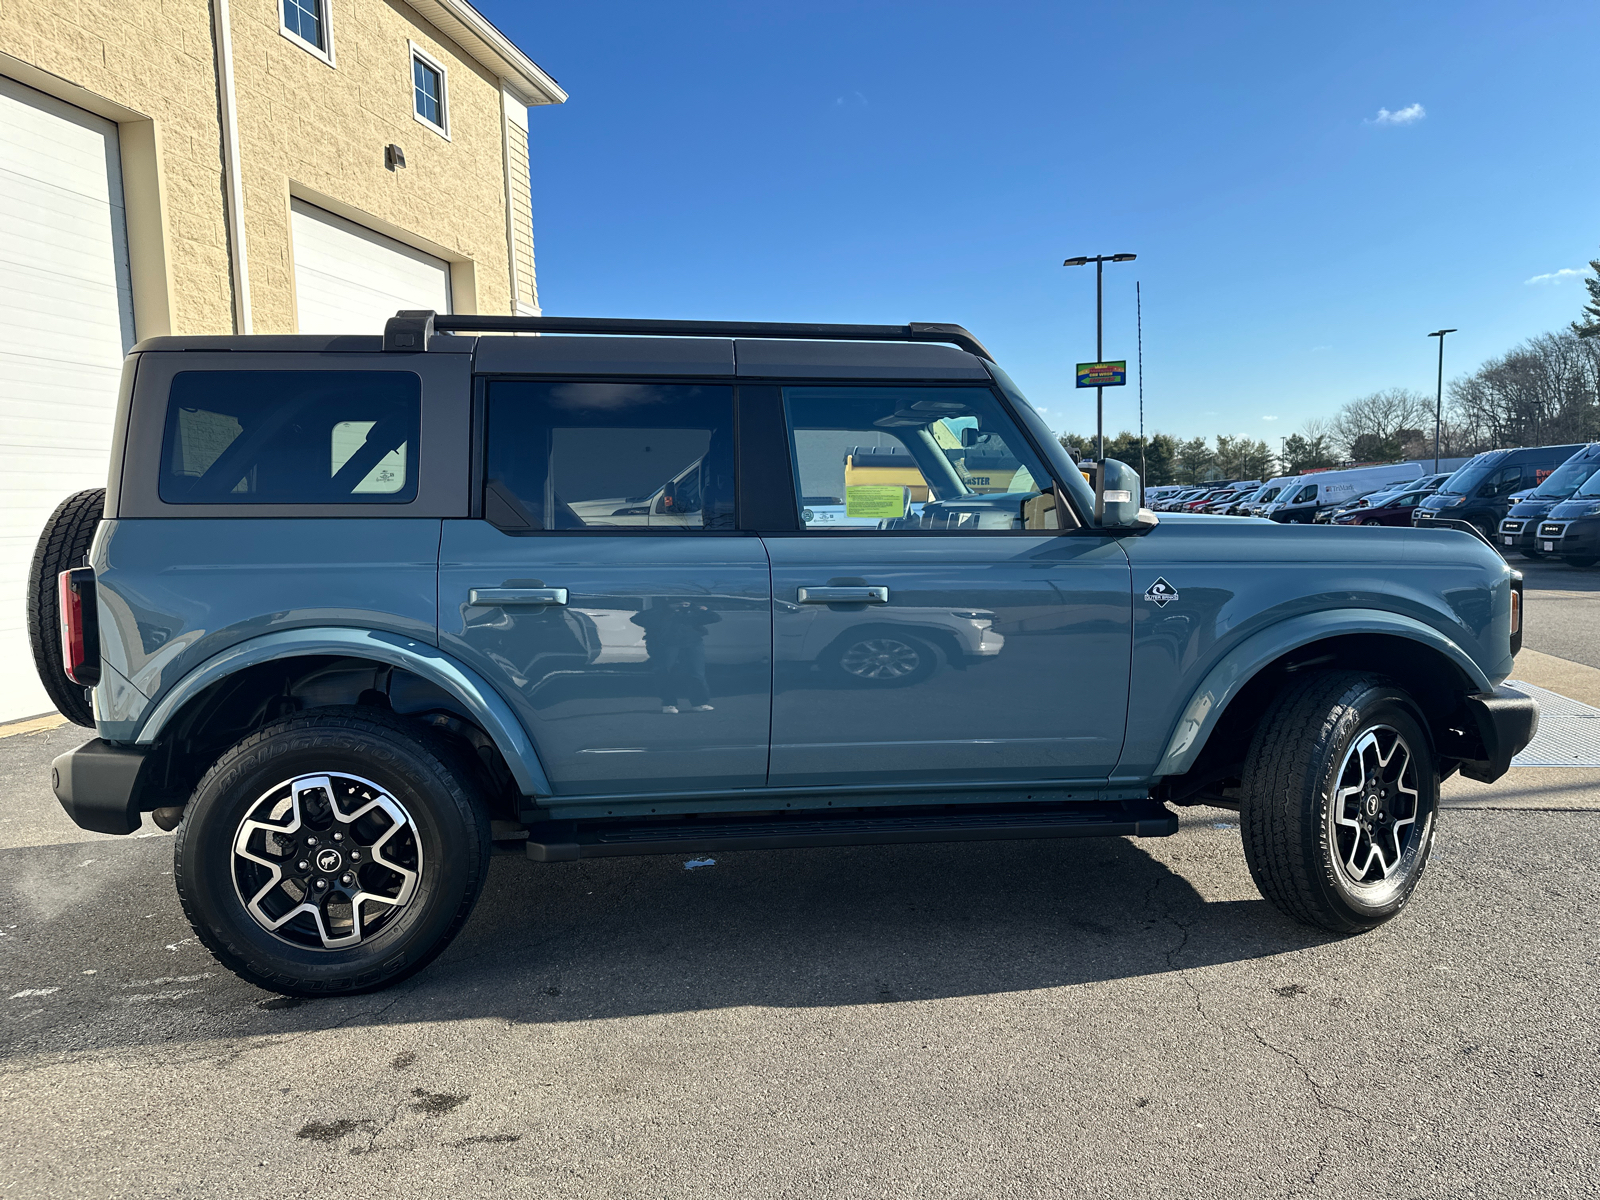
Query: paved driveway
pixel 1110 1018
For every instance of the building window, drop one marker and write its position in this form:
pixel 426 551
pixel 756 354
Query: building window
pixel 429 102
pixel 305 22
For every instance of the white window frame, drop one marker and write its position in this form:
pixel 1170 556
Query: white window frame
pixel 428 60
pixel 326 7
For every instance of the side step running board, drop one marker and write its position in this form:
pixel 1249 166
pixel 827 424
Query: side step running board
pixel 565 841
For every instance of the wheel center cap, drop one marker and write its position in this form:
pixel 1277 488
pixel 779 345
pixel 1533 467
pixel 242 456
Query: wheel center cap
pixel 329 860
pixel 1372 804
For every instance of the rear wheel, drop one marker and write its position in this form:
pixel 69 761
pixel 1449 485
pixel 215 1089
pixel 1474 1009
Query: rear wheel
pixel 1340 794
pixel 339 851
pixel 63 544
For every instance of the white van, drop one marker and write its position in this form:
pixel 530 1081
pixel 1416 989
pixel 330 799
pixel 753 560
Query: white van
pixel 1302 498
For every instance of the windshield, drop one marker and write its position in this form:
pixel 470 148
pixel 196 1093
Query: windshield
pixel 1468 477
pixel 1567 478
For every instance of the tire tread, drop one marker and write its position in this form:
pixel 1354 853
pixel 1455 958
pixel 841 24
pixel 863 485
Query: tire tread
pixel 449 772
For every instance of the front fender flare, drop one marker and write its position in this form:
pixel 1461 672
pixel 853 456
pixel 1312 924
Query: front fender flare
pixel 1239 665
pixel 486 705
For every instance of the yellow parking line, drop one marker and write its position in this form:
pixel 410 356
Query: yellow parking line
pixel 32 725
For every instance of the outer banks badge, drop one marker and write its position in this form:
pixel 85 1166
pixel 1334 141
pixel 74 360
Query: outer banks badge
pixel 1161 593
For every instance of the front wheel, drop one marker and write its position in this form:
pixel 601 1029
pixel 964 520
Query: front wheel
pixel 1580 560
pixel 338 851
pixel 1340 793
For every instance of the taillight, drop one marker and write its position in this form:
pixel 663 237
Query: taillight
pixel 1516 611
pixel 80 630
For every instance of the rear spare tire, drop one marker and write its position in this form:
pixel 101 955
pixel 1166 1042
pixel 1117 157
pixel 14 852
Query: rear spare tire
pixel 63 544
pixel 1339 797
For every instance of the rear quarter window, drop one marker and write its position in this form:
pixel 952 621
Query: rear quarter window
pixel 291 437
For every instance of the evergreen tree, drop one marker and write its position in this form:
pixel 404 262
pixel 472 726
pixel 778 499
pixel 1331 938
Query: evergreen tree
pixel 1590 325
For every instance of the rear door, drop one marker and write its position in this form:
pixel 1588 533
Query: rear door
pixel 606 591
pixel 940 631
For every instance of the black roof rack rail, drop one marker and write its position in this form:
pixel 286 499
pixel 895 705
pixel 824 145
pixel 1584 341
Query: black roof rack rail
pixel 410 329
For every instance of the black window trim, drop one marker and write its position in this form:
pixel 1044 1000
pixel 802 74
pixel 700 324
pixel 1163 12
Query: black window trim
pixel 480 452
pixel 742 526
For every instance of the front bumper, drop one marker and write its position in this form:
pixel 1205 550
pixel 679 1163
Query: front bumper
pixel 1572 538
pixel 1505 721
pixel 99 784
pixel 1517 533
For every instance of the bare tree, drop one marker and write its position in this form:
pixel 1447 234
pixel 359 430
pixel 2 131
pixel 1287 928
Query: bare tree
pixel 1380 422
pixel 1543 392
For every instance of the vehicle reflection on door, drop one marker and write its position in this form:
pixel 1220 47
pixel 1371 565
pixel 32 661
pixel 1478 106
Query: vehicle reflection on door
pixel 838 645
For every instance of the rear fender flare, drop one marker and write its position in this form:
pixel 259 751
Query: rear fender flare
pixel 486 706
pixel 1241 664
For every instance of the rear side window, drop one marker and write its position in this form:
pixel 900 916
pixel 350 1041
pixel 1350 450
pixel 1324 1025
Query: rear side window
pixel 291 437
pixel 609 456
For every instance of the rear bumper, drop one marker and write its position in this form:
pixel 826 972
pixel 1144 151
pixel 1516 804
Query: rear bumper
pixel 1506 721
pixel 98 784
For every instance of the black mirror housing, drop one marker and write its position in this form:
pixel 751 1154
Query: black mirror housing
pixel 1118 496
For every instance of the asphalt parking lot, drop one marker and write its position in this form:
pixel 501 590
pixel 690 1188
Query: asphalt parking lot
pixel 1095 1018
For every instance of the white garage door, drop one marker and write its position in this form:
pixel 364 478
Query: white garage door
pixel 66 320
pixel 348 279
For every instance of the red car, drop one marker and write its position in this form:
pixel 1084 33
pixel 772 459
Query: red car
pixel 1394 511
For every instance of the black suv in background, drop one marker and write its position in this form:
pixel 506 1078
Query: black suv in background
pixel 1518 531
pixel 1480 492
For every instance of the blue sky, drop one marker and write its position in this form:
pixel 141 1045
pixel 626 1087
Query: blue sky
pixel 882 162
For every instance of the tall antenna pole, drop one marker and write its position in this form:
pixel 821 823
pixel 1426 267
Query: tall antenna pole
pixel 1138 308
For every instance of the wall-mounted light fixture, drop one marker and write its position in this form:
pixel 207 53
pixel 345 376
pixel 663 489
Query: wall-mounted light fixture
pixel 393 157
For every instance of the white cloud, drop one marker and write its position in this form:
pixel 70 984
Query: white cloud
pixel 1404 116
pixel 1557 276
pixel 1271 418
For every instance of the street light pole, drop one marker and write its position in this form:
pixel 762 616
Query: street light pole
pixel 1438 398
pixel 1099 261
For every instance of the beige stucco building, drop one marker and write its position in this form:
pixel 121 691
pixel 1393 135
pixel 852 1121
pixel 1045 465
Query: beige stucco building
pixel 220 166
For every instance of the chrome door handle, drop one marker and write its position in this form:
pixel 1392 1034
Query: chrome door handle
pixel 844 595
pixel 502 597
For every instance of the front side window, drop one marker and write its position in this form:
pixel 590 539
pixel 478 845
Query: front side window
pixel 427 90
pixel 291 437
pixel 1309 492
pixel 641 456
pixel 306 21
pixel 907 459
pixel 1508 481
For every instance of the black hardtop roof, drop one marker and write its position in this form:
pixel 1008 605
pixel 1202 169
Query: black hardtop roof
pixel 592 345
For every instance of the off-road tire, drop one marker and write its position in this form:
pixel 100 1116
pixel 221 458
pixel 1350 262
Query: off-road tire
pixel 63 544
pixel 1289 782
pixel 417 768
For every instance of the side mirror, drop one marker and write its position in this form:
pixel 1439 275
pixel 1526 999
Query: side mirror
pixel 1117 496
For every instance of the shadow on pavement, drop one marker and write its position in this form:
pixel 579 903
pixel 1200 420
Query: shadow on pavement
pixel 630 937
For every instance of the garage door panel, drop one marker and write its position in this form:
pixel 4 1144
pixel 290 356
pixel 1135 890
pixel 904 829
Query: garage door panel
pixel 66 321
pixel 349 279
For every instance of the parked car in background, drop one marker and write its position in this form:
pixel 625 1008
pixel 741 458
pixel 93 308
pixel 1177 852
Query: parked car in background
pixel 1230 496
pixel 1519 528
pixel 1481 491
pixel 1249 505
pixel 1392 499
pixel 1303 498
pixel 1572 530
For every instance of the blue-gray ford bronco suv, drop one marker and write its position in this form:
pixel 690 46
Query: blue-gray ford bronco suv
pixel 354 613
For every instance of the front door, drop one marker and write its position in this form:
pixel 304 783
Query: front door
pixel 606 592
pixel 925 627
